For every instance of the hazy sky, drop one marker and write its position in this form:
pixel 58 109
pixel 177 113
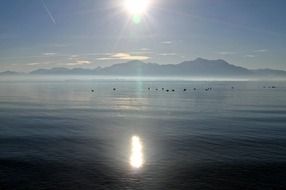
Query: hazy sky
pixel 90 33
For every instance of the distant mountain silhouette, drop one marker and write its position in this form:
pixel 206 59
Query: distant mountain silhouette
pixel 9 73
pixel 196 68
pixel 64 71
pixel 269 73
pixel 203 67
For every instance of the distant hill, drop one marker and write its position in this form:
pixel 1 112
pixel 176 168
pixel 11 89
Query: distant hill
pixel 196 68
pixel 64 71
pixel 9 73
pixel 215 68
pixel 269 73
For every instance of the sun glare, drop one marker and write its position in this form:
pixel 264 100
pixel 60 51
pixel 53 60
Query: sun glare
pixel 136 7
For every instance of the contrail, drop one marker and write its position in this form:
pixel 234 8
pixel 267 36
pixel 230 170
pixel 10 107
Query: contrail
pixel 49 12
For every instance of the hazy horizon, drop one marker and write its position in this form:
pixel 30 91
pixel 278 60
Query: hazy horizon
pixel 197 70
pixel 132 61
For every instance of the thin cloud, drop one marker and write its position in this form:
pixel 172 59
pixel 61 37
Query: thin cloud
pixel 250 56
pixel 227 53
pixel 74 56
pixel 124 56
pixel 261 50
pixel 121 55
pixel 168 54
pixel 167 42
pixel 144 49
pixel 79 62
pixel 49 54
pixel 38 63
pixel 76 60
pixel 105 58
pixel 33 64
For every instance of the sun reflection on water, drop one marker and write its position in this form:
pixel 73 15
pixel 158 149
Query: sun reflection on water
pixel 136 159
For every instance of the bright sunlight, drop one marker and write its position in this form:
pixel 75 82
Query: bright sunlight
pixel 136 7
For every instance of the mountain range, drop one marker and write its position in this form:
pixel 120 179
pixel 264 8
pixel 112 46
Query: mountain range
pixel 197 68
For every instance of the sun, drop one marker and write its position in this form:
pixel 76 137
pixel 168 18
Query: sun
pixel 136 7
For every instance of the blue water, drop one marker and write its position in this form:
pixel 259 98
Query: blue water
pixel 60 135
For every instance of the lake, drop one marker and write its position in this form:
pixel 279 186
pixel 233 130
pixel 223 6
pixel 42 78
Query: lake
pixel 58 134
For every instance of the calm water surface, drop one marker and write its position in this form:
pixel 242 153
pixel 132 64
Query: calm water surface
pixel 60 135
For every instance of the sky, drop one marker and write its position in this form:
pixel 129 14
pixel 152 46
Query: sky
pixel 91 33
